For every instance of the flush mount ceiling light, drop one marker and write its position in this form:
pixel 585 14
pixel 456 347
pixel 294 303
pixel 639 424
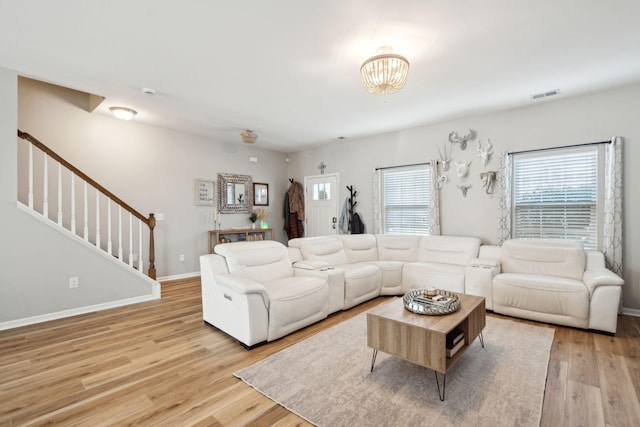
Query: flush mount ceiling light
pixel 249 137
pixel 123 113
pixel 385 73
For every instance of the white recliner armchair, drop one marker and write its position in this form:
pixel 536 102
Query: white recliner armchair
pixel 251 291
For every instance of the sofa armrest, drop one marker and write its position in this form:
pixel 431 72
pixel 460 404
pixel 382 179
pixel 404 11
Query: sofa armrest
pixel 242 285
pixel 335 279
pixel 479 276
pixel 595 277
pixel 311 265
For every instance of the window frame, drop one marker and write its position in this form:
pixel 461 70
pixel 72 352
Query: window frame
pixel 553 154
pixel 421 209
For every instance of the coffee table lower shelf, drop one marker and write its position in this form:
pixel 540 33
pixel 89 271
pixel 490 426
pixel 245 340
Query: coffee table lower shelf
pixel 424 337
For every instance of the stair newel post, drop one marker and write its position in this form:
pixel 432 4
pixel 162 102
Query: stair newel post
pixel 152 251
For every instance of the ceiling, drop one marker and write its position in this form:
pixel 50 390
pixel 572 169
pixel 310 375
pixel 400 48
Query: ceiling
pixel 289 69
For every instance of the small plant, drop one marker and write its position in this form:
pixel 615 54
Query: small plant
pixel 261 214
pixel 253 217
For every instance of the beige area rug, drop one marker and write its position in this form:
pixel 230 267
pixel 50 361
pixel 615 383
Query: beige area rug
pixel 326 380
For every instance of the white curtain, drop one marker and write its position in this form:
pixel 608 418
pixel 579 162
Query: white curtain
pixel 504 201
pixel 377 202
pixel 612 233
pixel 434 201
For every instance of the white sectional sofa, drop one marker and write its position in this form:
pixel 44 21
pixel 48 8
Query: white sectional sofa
pixel 385 264
pixel 260 291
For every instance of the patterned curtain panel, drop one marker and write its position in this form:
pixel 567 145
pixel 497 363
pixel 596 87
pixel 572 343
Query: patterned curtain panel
pixel 504 201
pixel 377 202
pixel 434 202
pixel 612 233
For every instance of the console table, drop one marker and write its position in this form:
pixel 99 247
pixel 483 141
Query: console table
pixel 238 234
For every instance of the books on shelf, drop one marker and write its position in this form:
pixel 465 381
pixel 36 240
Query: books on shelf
pixel 453 350
pixel 455 341
pixel 454 337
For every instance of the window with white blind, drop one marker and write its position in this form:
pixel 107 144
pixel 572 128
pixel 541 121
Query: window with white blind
pixel 556 195
pixel 405 199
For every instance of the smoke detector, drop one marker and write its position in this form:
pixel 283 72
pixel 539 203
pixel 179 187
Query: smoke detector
pixel 249 136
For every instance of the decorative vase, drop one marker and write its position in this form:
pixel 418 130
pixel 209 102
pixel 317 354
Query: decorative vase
pixel 253 225
pixel 263 224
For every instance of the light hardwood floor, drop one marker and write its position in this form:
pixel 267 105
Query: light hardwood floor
pixel 157 363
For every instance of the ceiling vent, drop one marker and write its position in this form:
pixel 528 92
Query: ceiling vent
pixel 545 94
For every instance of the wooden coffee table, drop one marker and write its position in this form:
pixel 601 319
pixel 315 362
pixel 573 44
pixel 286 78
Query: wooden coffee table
pixel 420 338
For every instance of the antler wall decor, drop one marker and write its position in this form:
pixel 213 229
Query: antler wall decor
pixel 462 140
pixel 464 189
pixel 446 159
pixel 485 154
pixel 442 179
pixel 462 168
pixel 488 180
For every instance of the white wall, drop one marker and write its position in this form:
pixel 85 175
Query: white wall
pixel 565 121
pixel 151 168
pixel 37 260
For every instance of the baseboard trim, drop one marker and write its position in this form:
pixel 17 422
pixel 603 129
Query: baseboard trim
pixel 631 312
pixel 75 311
pixel 178 276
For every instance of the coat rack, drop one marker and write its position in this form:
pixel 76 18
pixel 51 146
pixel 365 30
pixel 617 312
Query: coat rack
pixel 352 203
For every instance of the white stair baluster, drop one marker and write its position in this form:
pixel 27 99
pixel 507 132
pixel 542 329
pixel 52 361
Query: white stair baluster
pixel 86 213
pixel 45 201
pixel 97 218
pixel 130 240
pixel 59 194
pixel 140 262
pixel 73 203
pixel 120 232
pixel 30 176
pixel 109 243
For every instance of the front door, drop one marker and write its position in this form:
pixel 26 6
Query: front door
pixel 321 204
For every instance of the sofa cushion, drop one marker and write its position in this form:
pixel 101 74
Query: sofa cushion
pixel 359 247
pixel 560 258
pixel 391 272
pixel 417 275
pixel 362 283
pixel 398 248
pixel 295 302
pixel 328 249
pixel 454 250
pixel 542 294
pixel 259 261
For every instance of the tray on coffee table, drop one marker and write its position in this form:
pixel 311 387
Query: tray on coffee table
pixel 433 302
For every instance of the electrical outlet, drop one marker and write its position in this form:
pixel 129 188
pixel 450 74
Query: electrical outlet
pixel 73 282
pixel 181 258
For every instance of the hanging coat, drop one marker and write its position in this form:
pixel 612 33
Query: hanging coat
pixel 357 226
pixel 343 224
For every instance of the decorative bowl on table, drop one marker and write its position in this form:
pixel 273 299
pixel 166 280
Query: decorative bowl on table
pixel 433 302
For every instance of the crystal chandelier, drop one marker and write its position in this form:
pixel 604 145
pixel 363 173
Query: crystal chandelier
pixel 385 73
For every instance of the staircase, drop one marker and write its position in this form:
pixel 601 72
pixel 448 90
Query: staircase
pixel 71 200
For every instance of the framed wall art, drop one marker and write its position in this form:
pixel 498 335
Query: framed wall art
pixel 205 194
pixel 260 194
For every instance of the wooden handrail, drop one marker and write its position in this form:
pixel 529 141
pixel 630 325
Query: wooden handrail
pixel 150 221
